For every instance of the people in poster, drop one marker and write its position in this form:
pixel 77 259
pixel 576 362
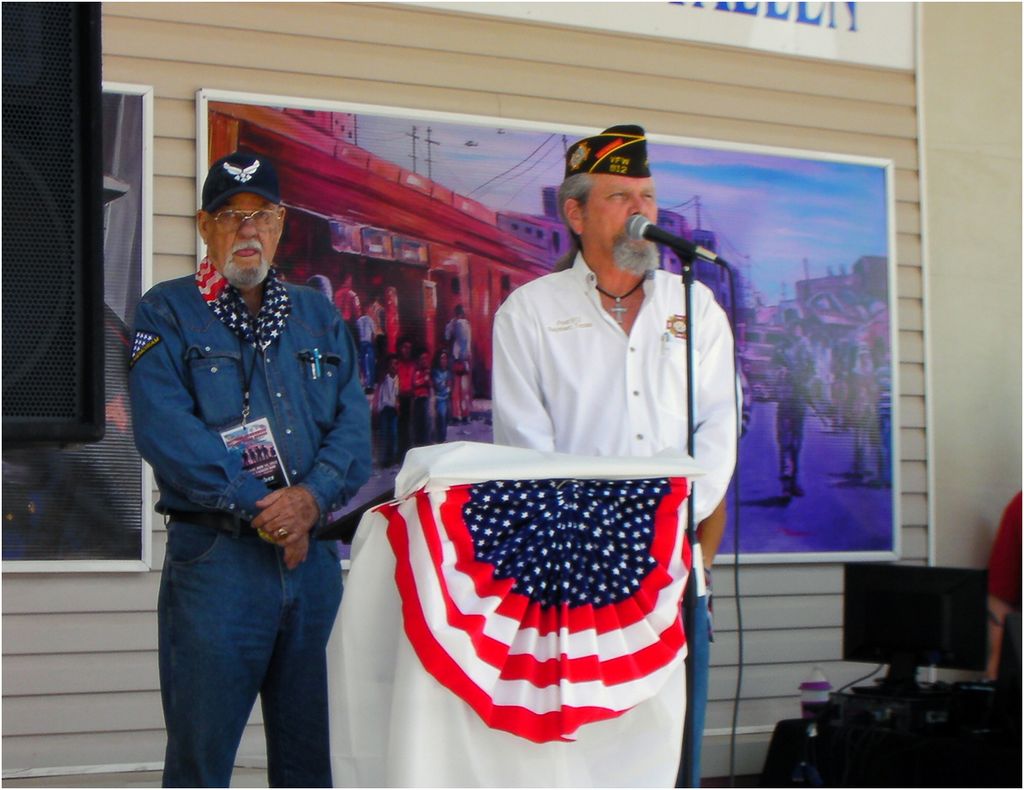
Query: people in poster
pixel 868 456
pixel 421 391
pixel 347 302
pixel 385 407
pixel 411 392
pixel 366 335
pixel 459 335
pixel 392 322
pixel 795 370
pixel 406 371
pixel 377 315
pixel 441 377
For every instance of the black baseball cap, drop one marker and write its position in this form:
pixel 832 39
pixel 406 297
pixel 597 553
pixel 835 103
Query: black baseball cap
pixel 237 172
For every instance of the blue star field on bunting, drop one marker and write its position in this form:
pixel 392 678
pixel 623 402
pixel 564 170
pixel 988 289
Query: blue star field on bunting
pixel 602 530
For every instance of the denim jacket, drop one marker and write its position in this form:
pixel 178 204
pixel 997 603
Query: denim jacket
pixel 186 388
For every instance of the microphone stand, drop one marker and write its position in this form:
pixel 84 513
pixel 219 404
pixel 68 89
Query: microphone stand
pixel 639 227
pixel 690 593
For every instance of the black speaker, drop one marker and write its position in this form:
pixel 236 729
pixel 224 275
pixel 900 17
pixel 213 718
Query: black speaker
pixel 52 224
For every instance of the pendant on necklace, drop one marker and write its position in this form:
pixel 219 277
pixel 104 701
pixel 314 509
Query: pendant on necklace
pixel 619 309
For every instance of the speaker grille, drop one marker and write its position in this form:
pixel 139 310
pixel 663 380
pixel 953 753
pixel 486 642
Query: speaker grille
pixel 52 284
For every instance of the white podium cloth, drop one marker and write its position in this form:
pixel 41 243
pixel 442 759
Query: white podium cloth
pixel 442 465
pixel 394 724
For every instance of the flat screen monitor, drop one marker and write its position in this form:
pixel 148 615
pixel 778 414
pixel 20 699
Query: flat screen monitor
pixel 910 616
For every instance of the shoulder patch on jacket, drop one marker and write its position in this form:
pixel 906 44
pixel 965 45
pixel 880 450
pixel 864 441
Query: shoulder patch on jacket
pixel 143 342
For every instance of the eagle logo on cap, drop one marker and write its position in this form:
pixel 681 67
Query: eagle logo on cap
pixel 579 156
pixel 242 174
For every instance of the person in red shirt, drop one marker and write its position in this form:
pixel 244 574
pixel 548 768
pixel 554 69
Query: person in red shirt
pixel 392 323
pixel 406 367
pixel 421 389
pixel 1004 580
pixel 347 301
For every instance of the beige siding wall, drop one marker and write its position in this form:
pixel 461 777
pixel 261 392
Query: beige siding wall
pixel 972 145
pixel 80 681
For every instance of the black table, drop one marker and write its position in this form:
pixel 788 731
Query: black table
pixel 805 753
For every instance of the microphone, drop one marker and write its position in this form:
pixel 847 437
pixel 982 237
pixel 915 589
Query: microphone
pixel 639 227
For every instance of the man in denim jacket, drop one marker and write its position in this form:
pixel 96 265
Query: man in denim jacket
pixel 247 404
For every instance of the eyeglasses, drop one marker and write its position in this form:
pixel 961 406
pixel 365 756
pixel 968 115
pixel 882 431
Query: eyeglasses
pixel 262 219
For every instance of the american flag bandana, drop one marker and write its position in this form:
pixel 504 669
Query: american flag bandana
pixel 209 281
pixel 544 604
pixel 227 304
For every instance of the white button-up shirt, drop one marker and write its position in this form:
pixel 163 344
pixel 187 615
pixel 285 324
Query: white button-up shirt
pixel 567 377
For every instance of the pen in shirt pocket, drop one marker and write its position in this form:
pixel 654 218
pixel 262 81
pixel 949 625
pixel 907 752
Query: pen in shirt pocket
pixel 312 359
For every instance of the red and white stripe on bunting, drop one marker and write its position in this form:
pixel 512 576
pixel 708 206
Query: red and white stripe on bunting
pixel 527 666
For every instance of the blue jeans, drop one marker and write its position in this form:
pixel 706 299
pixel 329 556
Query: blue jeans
pixel 388 427
pixel 234 624
pixel 699 644
pixel 421 422
pixel 440 420
pixel 367 363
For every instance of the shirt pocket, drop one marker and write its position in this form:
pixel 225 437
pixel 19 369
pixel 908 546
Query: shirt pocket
pixel 320 374
pixel 670 384
pixel 216 385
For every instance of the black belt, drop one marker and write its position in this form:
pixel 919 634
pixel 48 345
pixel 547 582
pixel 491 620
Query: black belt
pixel 225 522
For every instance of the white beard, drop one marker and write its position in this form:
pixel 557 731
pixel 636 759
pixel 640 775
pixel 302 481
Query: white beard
pixel 245 277
pixel 633 256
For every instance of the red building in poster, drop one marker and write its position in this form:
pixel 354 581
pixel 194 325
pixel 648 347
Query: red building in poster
pixel 355 217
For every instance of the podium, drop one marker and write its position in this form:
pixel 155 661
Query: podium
pixel 513 619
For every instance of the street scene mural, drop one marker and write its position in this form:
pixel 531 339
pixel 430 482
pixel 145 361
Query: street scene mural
pixel 417 226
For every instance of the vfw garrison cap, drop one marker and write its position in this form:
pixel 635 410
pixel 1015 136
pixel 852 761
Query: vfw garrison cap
pixel 619 150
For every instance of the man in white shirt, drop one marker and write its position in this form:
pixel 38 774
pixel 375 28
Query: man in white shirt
pixel 592 360
pixel 458 333
pixel 385 405
pixel 367 333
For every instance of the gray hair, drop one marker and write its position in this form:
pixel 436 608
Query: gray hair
pixel 576 187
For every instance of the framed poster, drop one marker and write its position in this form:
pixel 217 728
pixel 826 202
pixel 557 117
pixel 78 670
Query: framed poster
pixel 87 508
pixel 417 225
